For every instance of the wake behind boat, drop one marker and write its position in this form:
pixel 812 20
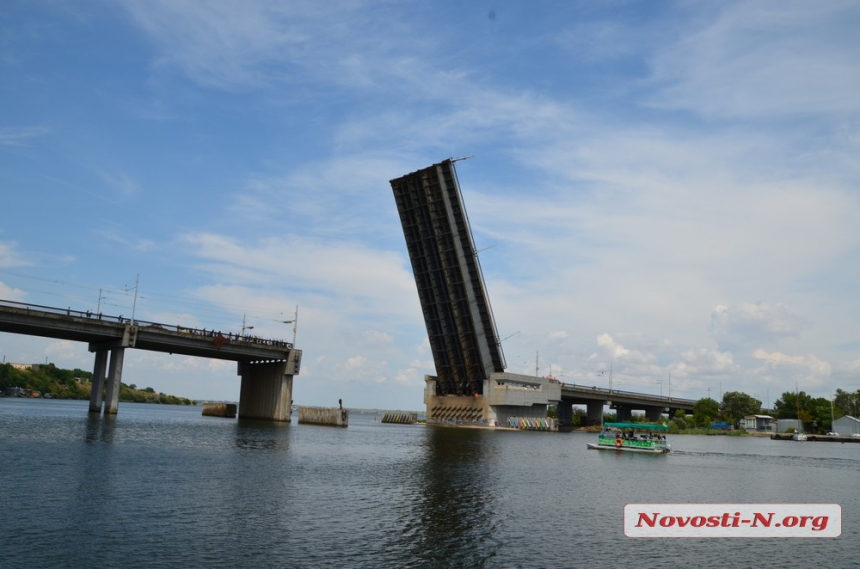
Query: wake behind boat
pixel 632 437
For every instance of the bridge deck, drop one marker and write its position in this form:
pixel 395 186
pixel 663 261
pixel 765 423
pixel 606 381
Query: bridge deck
pixel 101 330
pixel 581 394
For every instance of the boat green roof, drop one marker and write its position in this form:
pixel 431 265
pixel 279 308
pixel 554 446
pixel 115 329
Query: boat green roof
pixel 645 426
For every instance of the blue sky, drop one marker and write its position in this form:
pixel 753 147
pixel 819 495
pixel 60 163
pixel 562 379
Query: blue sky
pixel 667 189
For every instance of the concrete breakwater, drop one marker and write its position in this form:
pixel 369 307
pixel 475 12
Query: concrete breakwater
pixel 819 438
pixel 227 410
pixel 335 416
pixel 399 417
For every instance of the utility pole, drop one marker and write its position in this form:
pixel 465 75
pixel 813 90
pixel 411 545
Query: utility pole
pixel 134 304
pixel 245 327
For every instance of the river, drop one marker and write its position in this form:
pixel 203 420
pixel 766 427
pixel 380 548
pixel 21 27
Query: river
pixel 163 486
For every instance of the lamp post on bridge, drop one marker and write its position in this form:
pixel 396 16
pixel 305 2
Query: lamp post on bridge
pixel 294 322
pixel 245 327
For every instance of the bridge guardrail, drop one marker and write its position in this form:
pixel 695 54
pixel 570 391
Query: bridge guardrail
pixel 146 325
pixel 604 391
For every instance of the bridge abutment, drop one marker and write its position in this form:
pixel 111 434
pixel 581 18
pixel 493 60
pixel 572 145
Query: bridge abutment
pixel 505 396
pixel 267 389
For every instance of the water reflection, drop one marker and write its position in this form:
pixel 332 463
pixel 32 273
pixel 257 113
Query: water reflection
pixel 261 435
pixel 100 428
pixel 455 512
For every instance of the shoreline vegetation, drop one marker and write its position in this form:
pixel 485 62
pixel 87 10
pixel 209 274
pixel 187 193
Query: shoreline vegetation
pixel 50 382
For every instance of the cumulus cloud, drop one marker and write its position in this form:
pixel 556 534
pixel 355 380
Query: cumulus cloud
pixel 754 324
pixel 808 370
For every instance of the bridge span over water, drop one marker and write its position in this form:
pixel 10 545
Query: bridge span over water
pixel 623 402
pixel 471 385
pixel 266 366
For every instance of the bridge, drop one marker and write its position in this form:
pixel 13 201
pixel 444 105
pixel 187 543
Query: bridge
pixel 623 402
pixel 471 385
pixel 266 367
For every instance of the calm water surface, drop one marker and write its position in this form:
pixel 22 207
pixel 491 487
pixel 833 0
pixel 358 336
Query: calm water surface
pixel 163 486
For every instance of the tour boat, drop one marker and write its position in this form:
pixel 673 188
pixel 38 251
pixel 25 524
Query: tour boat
pixel 632 437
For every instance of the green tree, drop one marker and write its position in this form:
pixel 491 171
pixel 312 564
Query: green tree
pixel 846 403
pixel 736 405
pixel 705 411
pixel 801 406
pixel 680 420
pixel 820 412
pixel 789 405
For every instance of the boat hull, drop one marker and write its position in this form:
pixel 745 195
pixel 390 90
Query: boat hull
pixel 662 450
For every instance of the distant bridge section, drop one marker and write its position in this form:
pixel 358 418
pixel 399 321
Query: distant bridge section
pixel 266 366
pixel 623 402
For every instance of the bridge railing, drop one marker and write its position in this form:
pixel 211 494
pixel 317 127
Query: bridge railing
pixel 595 389
pixel 146 325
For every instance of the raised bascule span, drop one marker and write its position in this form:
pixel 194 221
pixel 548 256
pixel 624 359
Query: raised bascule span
pixel 471 385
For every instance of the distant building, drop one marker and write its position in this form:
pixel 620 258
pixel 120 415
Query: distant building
pixel 847 425
pixel 783 425
pixel 758 424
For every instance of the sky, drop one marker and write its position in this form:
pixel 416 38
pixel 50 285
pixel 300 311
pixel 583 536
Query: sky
pixel 662 193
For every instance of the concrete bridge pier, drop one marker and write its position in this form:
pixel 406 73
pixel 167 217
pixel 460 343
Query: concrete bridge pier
pixel 623 413
pixel 654 414
pixel 565 413
pixel 267 388
pixel 114 379
pixel 594 413
pixel 98 386
pixel 110 375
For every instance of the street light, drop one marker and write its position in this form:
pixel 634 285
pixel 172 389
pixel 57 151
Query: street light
pixel 245 327
pixel 294 322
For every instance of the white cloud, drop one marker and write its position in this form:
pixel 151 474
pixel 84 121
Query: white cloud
pixel 20 136
pixel 807 370
pixel 748 325
pixel 11 257
pixel 763 59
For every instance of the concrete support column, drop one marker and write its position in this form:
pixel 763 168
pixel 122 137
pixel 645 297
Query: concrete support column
pixel 654 414
pixel 114 381
pixel 98 386
pixel 594 414
pixel 266 392
pixel 623 413
pixel 565 413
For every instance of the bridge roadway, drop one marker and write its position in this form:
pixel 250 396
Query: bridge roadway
pixel 623 402
pixel 102 330
pixel 113 334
